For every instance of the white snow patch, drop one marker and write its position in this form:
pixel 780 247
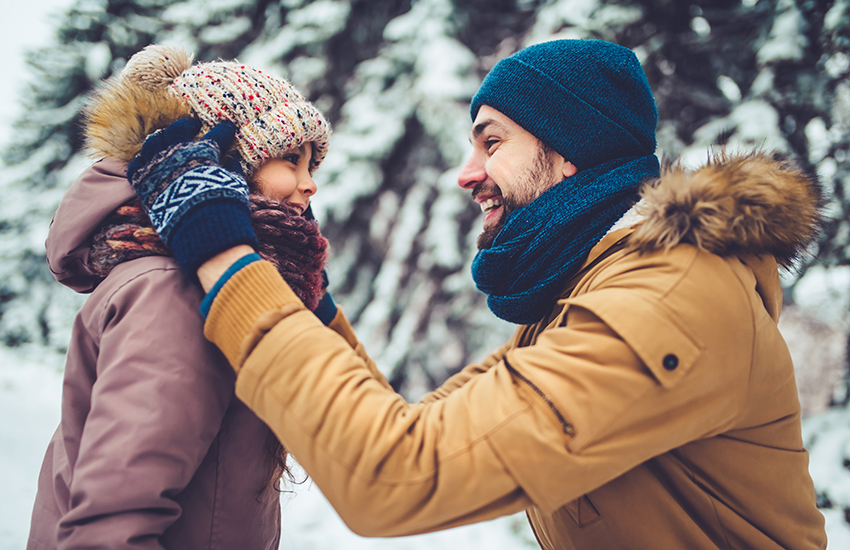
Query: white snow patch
pixel 819 353
pixel 837 64
pixel 826 437
pixel 827 169
pixel 98 60
pixel 425 18
pixel 701 26
pixel 328 16
pixel 753 123
pixel 30 406
pixel 837 529
pixel 729 88
pixel 822 292
pixel 817 136
pixel 442 60
pixel 787 40
pixel 309 523
pixel 441 236
pixel 834 18
pixel 198 13
pixel 580 19
pixel 227 31
pixel 763 83
pixel 15 39
pixel 307 69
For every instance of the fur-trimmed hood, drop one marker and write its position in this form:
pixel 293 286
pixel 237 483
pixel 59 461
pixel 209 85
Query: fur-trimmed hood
pixel 752 204
pixel 121 113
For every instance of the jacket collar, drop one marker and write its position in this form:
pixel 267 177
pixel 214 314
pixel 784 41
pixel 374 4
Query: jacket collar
pixel 610 243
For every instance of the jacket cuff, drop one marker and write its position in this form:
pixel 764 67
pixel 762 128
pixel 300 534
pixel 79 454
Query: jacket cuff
pixel 208 300
pixel 248 305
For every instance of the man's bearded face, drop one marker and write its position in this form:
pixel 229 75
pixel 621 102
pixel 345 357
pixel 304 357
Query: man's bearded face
pixel 508 168
pixel 531 181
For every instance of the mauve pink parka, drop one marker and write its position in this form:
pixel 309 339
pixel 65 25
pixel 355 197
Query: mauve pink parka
pixel 153 450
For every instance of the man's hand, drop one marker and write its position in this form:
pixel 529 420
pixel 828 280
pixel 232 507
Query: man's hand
pixel 211 271
pixel 198 208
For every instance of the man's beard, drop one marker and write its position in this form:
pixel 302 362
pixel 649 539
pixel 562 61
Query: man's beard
pixel 530 184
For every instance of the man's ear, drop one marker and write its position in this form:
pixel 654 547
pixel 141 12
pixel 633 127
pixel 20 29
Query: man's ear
pixel 569 169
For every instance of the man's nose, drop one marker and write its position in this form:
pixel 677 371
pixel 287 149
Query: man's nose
pixel 472 173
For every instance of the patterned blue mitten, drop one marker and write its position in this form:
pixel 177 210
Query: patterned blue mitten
pixel 198 208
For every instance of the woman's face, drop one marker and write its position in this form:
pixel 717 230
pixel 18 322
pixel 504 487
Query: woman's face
pixel 288 179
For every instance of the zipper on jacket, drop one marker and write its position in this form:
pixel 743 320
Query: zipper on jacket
pixel 567 427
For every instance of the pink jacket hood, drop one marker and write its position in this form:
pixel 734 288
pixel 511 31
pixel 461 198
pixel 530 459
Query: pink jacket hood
pixel 87 203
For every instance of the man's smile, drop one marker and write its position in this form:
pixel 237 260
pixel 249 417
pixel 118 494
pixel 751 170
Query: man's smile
pixel 490 202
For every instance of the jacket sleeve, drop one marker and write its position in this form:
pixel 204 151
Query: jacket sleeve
pixel 466 374
pixel 543 425
pixel 341 326
pixel 157 403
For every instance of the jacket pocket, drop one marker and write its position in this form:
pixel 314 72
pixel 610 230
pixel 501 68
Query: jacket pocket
pixel 664 343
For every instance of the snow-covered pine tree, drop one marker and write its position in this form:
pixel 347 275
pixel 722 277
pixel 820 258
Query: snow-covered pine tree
pixel 395 83
pixel 395 78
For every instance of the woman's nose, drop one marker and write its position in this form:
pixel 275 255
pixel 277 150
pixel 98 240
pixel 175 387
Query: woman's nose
pixel 307 186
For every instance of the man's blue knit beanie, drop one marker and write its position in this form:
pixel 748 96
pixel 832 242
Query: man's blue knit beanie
pixel 589 100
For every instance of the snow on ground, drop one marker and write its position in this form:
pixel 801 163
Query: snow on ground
pixel 30 396
pixel 30 393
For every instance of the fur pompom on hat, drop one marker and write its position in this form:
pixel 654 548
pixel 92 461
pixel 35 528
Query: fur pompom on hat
pixel 159 85
pixel 156 67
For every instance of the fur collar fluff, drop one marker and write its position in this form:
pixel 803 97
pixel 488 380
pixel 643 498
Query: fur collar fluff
pixel 756 203
pixel 124 110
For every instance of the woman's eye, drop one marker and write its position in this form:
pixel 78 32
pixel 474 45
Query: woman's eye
pixel 293 158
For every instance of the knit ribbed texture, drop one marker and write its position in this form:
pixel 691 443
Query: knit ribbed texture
pixel 210 228
pixel 293 244
pixel 545 243
pixel 234 268
pixel 252 294
pixel 589 100
pixel 272 117
pixel 198 208
pixel 124 235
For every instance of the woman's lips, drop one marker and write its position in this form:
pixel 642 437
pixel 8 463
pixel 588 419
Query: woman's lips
pixel 301 207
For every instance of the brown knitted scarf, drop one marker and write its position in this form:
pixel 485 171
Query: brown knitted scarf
pixel 290 242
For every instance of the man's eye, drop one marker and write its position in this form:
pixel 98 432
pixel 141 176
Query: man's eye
pixel 490 143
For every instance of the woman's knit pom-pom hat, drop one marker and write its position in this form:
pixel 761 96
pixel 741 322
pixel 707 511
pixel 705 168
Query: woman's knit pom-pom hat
pixel 159 85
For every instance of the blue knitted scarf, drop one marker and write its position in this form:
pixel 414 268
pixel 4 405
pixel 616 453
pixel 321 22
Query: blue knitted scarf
pixel 545 243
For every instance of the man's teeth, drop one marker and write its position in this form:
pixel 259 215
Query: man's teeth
pixel 490 204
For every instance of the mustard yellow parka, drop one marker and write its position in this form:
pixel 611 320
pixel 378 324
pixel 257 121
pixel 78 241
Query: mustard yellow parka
pixel 654 408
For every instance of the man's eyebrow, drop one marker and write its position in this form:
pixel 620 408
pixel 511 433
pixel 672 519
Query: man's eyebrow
pixel 479 128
